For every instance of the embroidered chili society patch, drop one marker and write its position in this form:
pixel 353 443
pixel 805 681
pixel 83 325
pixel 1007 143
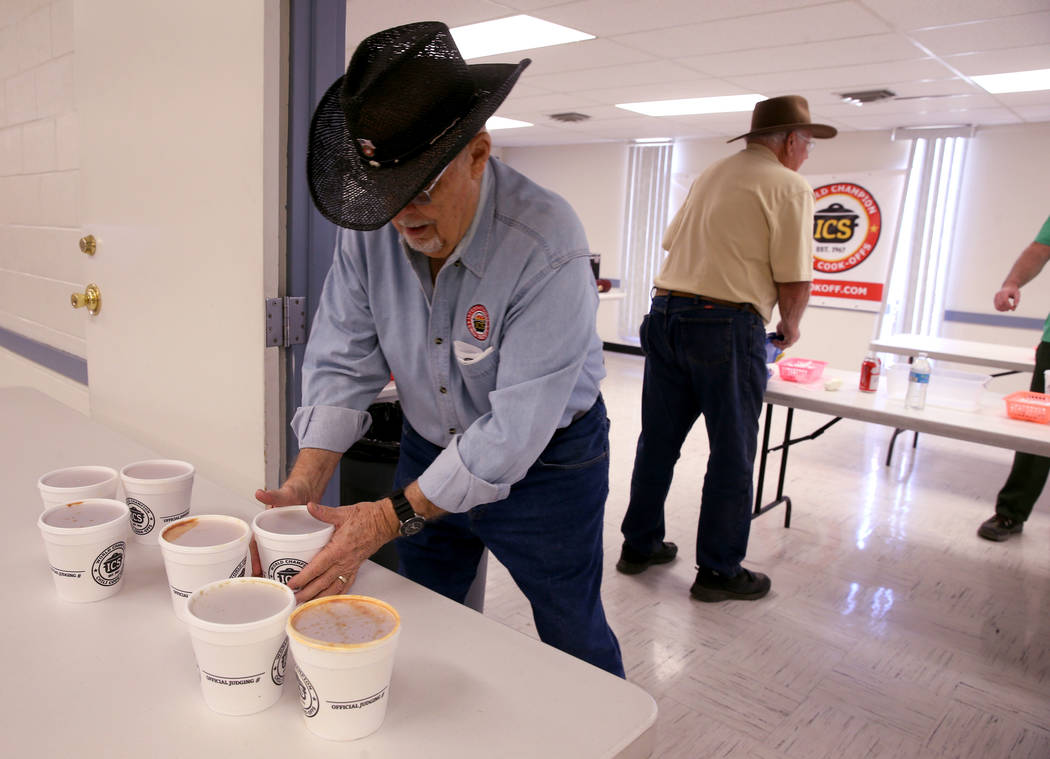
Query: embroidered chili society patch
pixel 478 322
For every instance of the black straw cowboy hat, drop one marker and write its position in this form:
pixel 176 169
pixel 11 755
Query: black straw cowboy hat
pixel 406 106
pixel 784 113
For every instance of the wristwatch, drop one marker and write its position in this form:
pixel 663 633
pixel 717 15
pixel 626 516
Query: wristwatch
pixel 411 522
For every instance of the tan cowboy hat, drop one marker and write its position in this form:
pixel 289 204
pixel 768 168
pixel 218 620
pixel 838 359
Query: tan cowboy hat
pixel 784 113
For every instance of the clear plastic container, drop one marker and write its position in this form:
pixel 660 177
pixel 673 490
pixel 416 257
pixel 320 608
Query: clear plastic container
pixel 948 388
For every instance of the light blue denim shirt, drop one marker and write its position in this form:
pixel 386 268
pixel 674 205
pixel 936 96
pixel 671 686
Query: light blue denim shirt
pixel 489 361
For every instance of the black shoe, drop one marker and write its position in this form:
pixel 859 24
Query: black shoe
pixel 744 586
pixel 631 562
pixel 999 528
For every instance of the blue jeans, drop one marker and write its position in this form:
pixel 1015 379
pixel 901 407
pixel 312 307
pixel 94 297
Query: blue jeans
pixel 547 533
pixel 700 358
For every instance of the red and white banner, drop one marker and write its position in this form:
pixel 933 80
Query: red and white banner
pixel 854 220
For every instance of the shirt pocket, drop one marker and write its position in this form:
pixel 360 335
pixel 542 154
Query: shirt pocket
pixel 478 371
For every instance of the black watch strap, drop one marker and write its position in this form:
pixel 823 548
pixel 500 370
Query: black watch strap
pixel 411 522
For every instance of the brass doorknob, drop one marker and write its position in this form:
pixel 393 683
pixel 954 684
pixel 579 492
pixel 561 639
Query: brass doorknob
pixel 91 298
pixel 88 245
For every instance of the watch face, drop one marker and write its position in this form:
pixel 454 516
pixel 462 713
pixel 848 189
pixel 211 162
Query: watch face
pixel 413 525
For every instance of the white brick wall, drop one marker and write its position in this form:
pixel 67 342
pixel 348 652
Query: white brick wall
pixel 40 263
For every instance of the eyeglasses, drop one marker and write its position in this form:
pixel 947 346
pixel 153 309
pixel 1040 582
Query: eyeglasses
pixel 423 198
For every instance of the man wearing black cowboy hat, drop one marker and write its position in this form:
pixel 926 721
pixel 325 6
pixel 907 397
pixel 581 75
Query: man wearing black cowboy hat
pixel 740 244
pixel 473 286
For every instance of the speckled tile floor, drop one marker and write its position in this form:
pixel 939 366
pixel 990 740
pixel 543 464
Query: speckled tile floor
pixel 892 630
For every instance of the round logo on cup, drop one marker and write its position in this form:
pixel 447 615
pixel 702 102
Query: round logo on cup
pixel 279 663
pixel 109 565
pixel 307 694
pixel 284 570
pixel 142 519
pixel 238 571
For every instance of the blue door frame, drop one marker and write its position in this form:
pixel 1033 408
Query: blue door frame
pixel 317 52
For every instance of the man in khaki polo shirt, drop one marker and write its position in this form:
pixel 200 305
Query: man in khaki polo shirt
pixel 741 243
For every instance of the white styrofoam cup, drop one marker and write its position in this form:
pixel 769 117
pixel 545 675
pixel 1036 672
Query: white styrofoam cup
pixel 241 656
pixel 86 542
pixel 157 493
pixel 75 483
pixel 189 567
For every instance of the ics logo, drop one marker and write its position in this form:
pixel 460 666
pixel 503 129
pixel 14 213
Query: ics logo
pixel 142 519
pixel 307 694
pixel 284 570
pixel 847 224
pixel 109 565
pixel 280 662
pixel 238 571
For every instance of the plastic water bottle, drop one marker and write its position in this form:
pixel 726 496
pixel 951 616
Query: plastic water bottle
pixel 918 383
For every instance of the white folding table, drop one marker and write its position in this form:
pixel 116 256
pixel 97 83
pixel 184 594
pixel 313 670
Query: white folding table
pixel 118 677
pixel 1010 357
pixel 988 424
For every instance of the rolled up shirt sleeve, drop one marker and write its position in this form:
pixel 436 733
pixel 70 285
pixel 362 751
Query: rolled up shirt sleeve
pixel 791 237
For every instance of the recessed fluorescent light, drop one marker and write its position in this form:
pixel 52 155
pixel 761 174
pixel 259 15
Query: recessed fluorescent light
pixel 688 106
pixel 651 140
pixel 1016 81
pixel 505 35
pixel 499 122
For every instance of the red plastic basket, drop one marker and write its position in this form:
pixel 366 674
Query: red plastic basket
pixel 801 369
pixel 1031 407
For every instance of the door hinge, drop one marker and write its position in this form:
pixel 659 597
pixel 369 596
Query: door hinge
pixel 285 321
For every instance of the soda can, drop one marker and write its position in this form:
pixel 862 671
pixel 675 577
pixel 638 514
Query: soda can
pixel 869 374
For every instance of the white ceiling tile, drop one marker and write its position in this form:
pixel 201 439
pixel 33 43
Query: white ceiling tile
pixel 996 34
pixel 913 14
pixel 611 17
pixel 876 48
pixel 953 104
pixel 553 103
pixel 524 88
pixel 596 78
pixel 803 25
pixel 666 91
pixel 577 55
pixel 659 49
pixel 844 78
pixel 1001 61
pixel 939 118
pixel 596 113
pixel 1015 99
pixel 933 87
pixel 530 6
pixel 365 17
pixel 1034 112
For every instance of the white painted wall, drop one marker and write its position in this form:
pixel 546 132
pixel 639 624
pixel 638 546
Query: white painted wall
pixel 1005 200
pixel 593 178
pixel 40 262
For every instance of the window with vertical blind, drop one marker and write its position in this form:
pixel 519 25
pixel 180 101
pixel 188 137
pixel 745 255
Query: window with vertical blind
pixel 915 300
pixel 645 219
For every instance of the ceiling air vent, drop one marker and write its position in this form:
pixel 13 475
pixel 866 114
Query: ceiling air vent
pixel 569 116
pixel 862 97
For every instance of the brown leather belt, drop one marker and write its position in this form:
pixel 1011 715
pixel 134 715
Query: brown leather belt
pixel 716 301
